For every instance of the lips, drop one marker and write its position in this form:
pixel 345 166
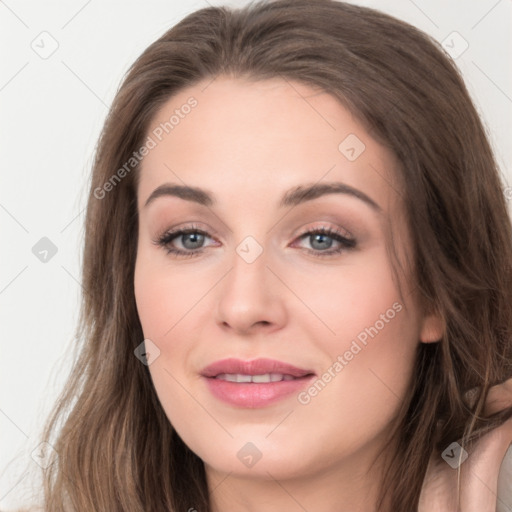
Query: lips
pixel 255 367
pixel 254 384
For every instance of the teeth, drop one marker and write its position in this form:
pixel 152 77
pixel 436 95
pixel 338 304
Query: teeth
pixel 266 377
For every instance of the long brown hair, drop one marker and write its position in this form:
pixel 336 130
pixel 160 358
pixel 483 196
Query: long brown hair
pixel 116 449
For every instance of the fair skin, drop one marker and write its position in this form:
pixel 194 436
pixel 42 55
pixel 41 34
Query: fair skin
pixel 247 144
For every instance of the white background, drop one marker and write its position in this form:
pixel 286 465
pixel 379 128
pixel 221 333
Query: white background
pixel 52 113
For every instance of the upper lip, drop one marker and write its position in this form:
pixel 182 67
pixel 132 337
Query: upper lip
pixel 254 367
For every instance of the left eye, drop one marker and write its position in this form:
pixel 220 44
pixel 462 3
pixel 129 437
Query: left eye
pixel 321 240
pixel 192 241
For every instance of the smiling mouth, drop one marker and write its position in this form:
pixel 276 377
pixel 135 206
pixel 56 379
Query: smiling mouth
pixel 249 391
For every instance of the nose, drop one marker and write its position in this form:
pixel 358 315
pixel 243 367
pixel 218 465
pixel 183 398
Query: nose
pixel 251 298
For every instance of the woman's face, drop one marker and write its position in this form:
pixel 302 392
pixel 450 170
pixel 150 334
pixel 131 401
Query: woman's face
pixel 258 281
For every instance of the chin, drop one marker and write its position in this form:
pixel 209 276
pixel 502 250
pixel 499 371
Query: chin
pixel 257 458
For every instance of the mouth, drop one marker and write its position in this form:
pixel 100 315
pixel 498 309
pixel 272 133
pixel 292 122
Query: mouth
pixel 253 384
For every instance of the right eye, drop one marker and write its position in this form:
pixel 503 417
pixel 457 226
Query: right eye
pixel 190 238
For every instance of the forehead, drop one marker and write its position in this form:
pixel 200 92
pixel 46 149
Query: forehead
pixel 251 140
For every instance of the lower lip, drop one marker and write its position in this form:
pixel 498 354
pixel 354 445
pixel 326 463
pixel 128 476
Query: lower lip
pixel 253 395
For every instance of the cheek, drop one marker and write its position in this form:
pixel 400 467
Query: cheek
pixel 163 298
pixel 370 336
pixel 151 306
pixel 372 364
pixel 355 301
pixel 164 295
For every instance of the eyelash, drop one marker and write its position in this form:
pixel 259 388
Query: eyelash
pixel 165 239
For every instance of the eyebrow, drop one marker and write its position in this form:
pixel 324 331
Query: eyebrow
pixel 292 197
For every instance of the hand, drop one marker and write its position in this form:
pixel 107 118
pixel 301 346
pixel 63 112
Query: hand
pixel 479 472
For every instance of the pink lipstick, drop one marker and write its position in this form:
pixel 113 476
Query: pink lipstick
pixel 256 383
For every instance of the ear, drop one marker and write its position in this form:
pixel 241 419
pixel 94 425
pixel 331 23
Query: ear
pixel 432 328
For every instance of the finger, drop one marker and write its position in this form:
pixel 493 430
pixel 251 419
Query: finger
pixel 499 397
pixel 479 473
